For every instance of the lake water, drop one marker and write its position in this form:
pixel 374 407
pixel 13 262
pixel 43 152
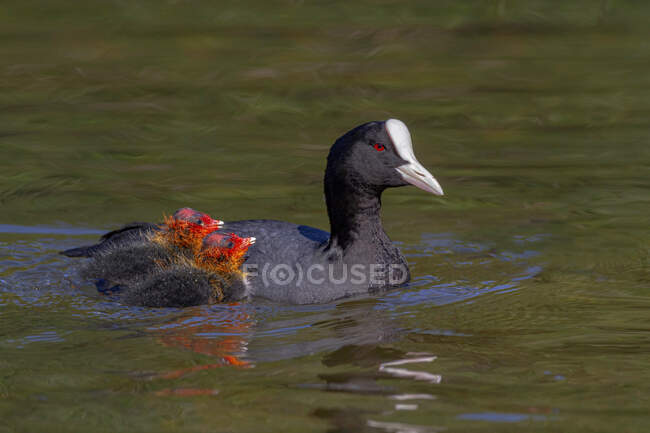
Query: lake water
pixel 529 309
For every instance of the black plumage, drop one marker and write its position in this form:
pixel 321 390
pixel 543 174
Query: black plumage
pixel 360 166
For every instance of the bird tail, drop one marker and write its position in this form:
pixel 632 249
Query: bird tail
pixel 86 251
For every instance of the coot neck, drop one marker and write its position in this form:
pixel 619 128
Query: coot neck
pixel 354 213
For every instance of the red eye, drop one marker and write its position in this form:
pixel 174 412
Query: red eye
pixel 379 147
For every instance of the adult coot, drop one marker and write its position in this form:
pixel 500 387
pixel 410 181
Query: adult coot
pixel 300 264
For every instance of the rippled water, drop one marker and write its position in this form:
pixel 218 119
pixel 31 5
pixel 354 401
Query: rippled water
pixel 529 307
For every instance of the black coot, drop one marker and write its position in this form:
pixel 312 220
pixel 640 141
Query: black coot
pixel 301 264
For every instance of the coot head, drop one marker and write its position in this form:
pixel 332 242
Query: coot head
pixel 226 243
pixel 218 240
pixel 375 156
pixel 360 166
pixel 196 217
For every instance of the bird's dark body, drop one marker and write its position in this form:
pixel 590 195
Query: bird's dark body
pixel 296 263
pixel 280 246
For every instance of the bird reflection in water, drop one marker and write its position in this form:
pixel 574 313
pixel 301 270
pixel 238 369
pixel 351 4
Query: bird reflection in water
pixel 221 336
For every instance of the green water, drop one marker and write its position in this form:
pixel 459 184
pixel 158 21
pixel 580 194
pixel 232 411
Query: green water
pixel 530 275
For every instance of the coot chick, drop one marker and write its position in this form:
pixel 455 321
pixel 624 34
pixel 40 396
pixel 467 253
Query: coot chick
pixel 212 275
pixel 137 231
pixel 300 264
pixel 196 217
pixel 127 256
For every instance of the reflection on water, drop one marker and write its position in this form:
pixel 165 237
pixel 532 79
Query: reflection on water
pixel 218 333
pixel 45 336
pixel 501 417
pixel 398 427
pixel 391 368
pixel 44 230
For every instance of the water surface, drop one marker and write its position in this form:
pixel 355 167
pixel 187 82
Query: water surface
pixel 529 307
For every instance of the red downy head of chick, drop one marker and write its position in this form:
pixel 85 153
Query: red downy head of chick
pixel 196 217
pixel 187 228
pixel 224 251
